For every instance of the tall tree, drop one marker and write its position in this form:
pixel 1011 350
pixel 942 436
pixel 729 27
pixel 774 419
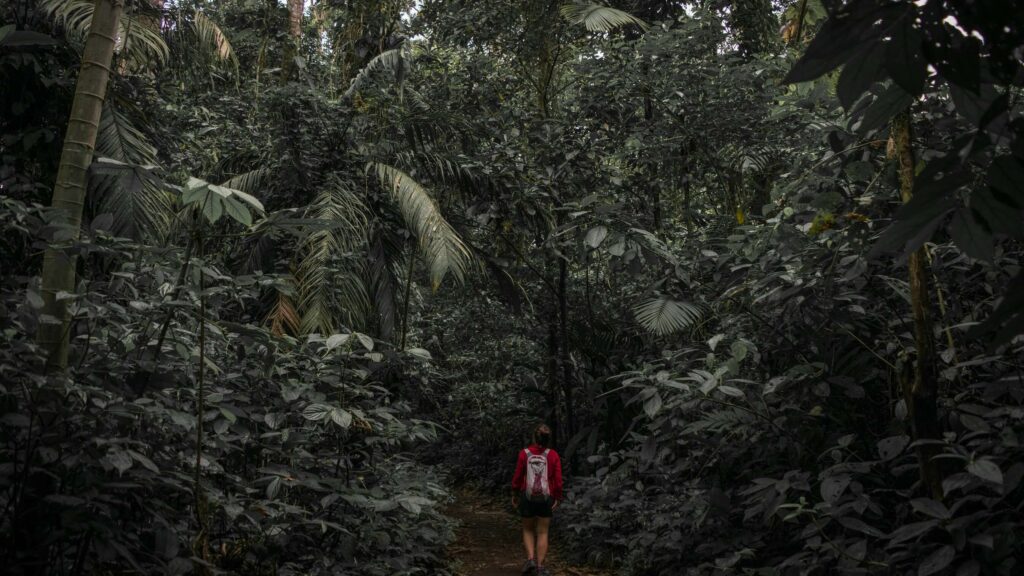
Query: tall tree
pixel 69 190
pixel 295 8
pixel 754 24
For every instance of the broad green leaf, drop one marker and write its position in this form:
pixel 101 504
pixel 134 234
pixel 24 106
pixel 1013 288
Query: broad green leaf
pixel 213 208
pixel 937 561
pixel 986 470
pixel 336 340
pixel 652 404
pixel 316 412
pixel 341 417
pixel 932 508
pixel 595 236
pixel 237 211
pixel 365 340
pixel 893 446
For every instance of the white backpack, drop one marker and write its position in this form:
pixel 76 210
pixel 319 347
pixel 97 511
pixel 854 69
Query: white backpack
pixel 537 489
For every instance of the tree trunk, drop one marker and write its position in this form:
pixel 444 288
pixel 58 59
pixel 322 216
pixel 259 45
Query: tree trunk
pixel 922 397
pixel 72 175
pixel 408 296
pixel 563 356
pixel 553 377
pixel 295 8
pixel 288 67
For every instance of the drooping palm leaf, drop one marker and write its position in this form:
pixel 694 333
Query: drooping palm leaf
pixel 209 34
pixel 331 267
pixel 397 61
pixel 139 43
pixel 442 248
pixel 283 319
pixel 127 188
pixel 384 257
pixel 251 181
pixel 661 315
pixel 598 18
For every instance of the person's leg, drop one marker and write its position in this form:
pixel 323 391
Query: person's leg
pixel 542 539
pixel 529 536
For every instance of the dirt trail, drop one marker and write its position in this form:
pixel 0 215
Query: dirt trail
pixel 488 541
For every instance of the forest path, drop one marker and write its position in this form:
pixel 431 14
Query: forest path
pixel 488 541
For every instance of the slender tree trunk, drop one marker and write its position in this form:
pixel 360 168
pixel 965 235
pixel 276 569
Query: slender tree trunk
pixel 408 295
pixel 201 543
pixel 72 175
pixel 563 351
pixel 289 67
pixel 553 376
pixel 922 396
pixel 800 23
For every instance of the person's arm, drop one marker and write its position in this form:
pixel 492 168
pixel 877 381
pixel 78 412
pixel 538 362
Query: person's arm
pixel 555 480
pixel 518 479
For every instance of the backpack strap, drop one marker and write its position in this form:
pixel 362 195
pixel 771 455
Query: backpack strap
pixel 546 450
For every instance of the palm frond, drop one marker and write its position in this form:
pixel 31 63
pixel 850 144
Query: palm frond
pixel 397 61
pixel 251 181
pixel 283 318
pixel 449 171
pixel 661 315
pixel 127 189
pixel 442 248
pixel 139 42
pixel 743 159
pixel 384 256
pixel 598 18
pixel 119 139
pixel 331 268
pixel 210 35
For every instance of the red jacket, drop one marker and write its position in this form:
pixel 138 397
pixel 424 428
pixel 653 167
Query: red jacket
pixel 554 471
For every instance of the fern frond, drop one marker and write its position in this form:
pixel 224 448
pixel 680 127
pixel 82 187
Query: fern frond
pixel 442 248
pixel 598 18
pixel 661 315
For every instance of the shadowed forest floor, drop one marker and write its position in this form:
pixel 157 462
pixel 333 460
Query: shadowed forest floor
pixel 488 540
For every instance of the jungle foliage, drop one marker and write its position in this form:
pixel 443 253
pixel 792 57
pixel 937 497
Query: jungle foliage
pixel 309 265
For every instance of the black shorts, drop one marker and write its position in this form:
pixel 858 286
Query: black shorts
pixel 534 509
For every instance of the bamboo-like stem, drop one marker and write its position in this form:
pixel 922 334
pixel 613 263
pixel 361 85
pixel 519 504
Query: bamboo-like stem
pixel 72 175
pixel 921 391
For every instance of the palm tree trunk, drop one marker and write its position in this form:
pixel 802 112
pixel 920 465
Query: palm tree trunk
pixel 72 175
pixel 922 395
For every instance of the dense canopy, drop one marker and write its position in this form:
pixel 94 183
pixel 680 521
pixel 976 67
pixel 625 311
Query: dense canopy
pixel 281 281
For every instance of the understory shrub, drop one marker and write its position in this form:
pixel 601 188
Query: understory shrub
pixel 306 462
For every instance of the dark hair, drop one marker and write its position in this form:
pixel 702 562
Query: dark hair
pixel 542 435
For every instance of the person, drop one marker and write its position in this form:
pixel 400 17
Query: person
pixel 536 493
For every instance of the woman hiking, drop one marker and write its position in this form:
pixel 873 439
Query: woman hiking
pixel 536 493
